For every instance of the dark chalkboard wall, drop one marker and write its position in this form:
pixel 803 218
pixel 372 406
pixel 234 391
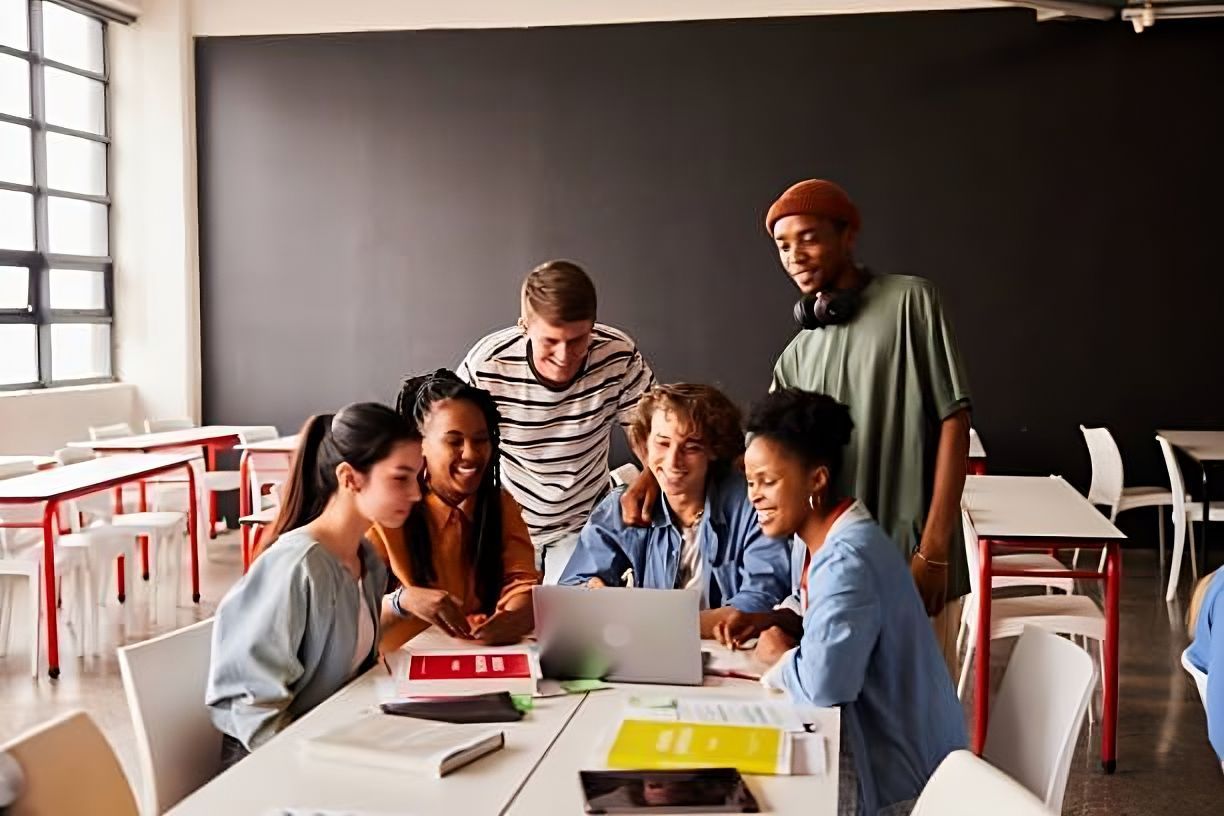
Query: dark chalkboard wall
pixel 369 204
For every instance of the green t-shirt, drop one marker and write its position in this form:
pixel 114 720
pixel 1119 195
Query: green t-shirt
pixel 897 367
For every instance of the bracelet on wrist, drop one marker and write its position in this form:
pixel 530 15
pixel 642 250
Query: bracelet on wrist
pixel 930 561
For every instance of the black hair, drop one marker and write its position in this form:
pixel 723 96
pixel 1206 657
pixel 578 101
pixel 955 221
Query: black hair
pixel 360 434
pixel 815 427
pixel 416 399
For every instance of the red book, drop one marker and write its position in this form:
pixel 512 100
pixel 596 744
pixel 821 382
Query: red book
pixel 469 673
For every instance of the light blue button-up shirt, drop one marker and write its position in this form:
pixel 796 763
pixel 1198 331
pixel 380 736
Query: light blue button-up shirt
pixel 868 647
pixel 744 568
pixel 1207 655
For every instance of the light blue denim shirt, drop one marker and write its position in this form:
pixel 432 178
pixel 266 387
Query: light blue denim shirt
pixel 745 568
pixel 285 636
pixel 1207 655
pixel 869 648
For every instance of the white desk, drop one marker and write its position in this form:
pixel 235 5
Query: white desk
pixel 59 484
pixel 554 788
pixel 278 453
pixel 276 775
pixel 536 773
pixel 206 436
pixel 1043 512
pixel 37 462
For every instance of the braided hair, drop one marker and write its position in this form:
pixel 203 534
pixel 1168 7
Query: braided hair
pixel 417 397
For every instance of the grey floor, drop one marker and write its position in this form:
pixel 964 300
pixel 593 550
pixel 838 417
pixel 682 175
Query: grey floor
pixel 1164 762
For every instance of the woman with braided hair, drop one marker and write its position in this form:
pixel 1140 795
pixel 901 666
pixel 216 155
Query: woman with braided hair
pixel 464 558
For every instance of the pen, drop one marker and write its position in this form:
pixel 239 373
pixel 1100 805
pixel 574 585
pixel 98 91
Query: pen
pixel 386 665
pixel 729 673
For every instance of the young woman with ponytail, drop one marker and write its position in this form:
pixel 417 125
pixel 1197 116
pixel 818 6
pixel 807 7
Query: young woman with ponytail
pixel 464 559
pixel 306 618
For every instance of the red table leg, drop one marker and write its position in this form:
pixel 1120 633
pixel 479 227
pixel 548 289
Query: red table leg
pixel 212 497
pixel 1109 684
pixel 981 676
pixel 245 502
pixel 192 526
pixel 144 540
pixel 49 517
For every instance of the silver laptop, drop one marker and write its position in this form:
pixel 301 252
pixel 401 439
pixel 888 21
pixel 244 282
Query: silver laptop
pixel 626 635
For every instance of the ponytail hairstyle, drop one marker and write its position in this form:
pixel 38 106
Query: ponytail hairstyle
pixel 361 434
pixel 416 399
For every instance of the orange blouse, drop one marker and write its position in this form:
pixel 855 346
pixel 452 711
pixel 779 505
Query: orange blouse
pixel 452 541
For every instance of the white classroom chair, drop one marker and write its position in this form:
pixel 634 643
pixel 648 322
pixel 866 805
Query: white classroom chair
pixel 177 746
pixel 964 785
pixel 1199 677
pixel 68 767
pixel 159 425
pixel 1185 512
pixel 1107 490
pixel 1038 713
pixel 225 481
pixel 112 431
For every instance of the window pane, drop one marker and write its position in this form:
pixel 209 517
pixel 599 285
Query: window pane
pixel 14 287
pixel 72 38
pixel 18 353
pixel 13 26
pixel 78 289
pixel 76 227
pixel 16 220
pixel 15 153
pixel 76 165
pixel 80 351
pixel 75 101
pixel 14 85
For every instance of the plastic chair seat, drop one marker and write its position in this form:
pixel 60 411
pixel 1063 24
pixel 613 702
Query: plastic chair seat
pixel 1133 497
pixel 1030 561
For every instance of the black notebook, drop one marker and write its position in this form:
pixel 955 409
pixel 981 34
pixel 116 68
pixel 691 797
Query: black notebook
pixel 700 790
pixel 474 708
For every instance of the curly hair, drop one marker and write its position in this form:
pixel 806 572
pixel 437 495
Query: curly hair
pixel 815 427
pixel 417 397
pixel 710 414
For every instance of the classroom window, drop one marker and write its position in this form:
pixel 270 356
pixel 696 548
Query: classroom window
pixel 56 275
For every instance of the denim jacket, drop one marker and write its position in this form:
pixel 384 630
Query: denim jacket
pixel 746 569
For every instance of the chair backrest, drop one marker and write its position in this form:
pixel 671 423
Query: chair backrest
pixel 1107 479
pixel 159 425
pixel 70 456
pixel 1199 677
pixel 115 431
pixel 1177 484
pixel 1038 712
pixel 964 785
pixel 21 467
pixel 624 475
pixel 69 767
pixel 261 433
pixel 972 559
pixel 165 680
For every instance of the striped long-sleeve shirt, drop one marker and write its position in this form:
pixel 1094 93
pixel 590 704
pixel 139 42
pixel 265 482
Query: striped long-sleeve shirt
pixel 555 441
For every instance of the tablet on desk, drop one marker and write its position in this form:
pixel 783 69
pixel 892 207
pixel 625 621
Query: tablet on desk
pixel 703 790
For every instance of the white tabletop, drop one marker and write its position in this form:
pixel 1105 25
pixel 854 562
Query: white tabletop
pixel 1203 446
pixel 277 776
pixel 186 437
pixel 284 444
pixel 37 462
pixel 1012 507
pixel 554 787
pixel 976 449
pixel 60 481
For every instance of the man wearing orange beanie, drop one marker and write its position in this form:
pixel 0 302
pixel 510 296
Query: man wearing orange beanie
pixel 894 361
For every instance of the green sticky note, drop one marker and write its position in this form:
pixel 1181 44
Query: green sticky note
pixel 522 702
pixel 580 686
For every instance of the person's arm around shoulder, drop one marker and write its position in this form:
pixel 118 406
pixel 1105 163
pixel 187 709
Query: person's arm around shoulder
pixel 598 558
pixel 829 666
pixel 639 498
pixel 256 637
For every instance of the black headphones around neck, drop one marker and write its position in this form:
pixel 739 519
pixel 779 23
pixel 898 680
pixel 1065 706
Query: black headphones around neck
pixel 830 307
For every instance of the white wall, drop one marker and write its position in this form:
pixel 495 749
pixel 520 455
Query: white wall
pixel 40 421
pixel 238 17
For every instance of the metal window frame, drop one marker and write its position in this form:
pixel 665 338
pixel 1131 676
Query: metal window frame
pixel 40 261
